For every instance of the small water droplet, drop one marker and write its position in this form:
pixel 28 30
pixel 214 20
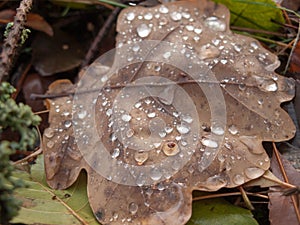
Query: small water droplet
pixel 68 124
pixel 215 23
pixel 167 55
pixel 133 208
pixel 209 143
pixel 233 129
pixel 254 45
pixel 170 148
pixel 143 30
pixel 168 130
pixel 238 179
pixel 126 117
pixel 176 16
pixel 242 87
pixel 182 128
pixel 237 48
pixel 155 174
pixel 82 114
pixel 50 144
pixel 162 134
pixel 198 30
pixel 254 172
pixel 208 51
pixel 186 15
pixel 217 130
pixel 157 68
pixel 189 27
pixel 187 118
pixel 148 16
pixel 163 9
pixel 138 105
pixel 129 133
pixel 135 48
pixel 130 16
pixel 49 132
pixel 141 157
pixel 151 115
pixel 115 153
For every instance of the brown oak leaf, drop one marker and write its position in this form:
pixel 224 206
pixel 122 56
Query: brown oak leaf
pixel 185 106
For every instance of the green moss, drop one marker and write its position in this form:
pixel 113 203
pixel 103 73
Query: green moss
pixel 19 119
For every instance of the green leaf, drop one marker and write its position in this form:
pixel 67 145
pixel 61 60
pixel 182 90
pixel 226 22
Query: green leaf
pixel 255 14
pixel 43 205
pixel 219 212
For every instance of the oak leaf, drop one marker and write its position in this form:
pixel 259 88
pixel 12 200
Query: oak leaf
pixel 186 112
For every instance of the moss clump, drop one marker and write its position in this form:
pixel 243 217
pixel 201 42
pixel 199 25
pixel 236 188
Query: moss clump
pixel 19 119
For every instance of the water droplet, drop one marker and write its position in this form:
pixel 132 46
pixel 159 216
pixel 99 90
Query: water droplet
pixel 242 87
pixel 50 144
pixel 186 15
pixel 109 112
pixel 141 157
pixel 143 30
pixel 167 55
pixel 129 133
pixel 269 85
pixel 133 208
pixel 115 153
pixel 254 172
pixel 49 132
pixel 209 143
pixel 238 179
pixel 82 114
pixel 189 27
pixel 233 129
pixel 198 30
pixel 138 105
pixel 168 129
pixel 215 23
pixel 182 129
pixel 130 16
pixel 126 117
pixel 151 115
pixel 254 45
pixel 260 101
pixel 135 48
pixel 187 118
pixel 176 16
pixel 208 51
pixel 217 130
pixel 68 124
pixel 148 16
pixel 157 68
pixel 140 180
pixel 162 134
pixel 170 148
pixel 163 9
pixel 155 174
pixel 237 48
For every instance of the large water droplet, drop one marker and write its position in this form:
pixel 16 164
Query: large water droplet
pixel 133 208
pixel 155 174
pixel 208 51
pixel 215 23
pixel 143 30
pixel 141 157
pixel 209 143
pixel 254 172
pixel 49 132
pixel 170 148
pixel 238 179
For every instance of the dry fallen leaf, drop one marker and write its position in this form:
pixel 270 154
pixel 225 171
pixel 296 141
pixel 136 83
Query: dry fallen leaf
pixel 192 132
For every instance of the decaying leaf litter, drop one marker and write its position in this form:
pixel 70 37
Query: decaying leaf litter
pixel 171 22
pixel 252 92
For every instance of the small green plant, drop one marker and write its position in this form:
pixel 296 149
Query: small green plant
pixel 19 119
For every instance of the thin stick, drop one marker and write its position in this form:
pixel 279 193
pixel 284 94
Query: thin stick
pixel 32 155
pixel 246 199
pixel 102 32
pixel 286 179
pixel 258 31
pixel 292 51
pixel 228 194
pixel 12 42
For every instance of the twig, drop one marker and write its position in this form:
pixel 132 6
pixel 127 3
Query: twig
pixel 32 155
pixel 246 199
pixel 293 48
pixel 93 49
pixel 250 30
pixel 218 195
pixel 11 44
pixel 286 179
